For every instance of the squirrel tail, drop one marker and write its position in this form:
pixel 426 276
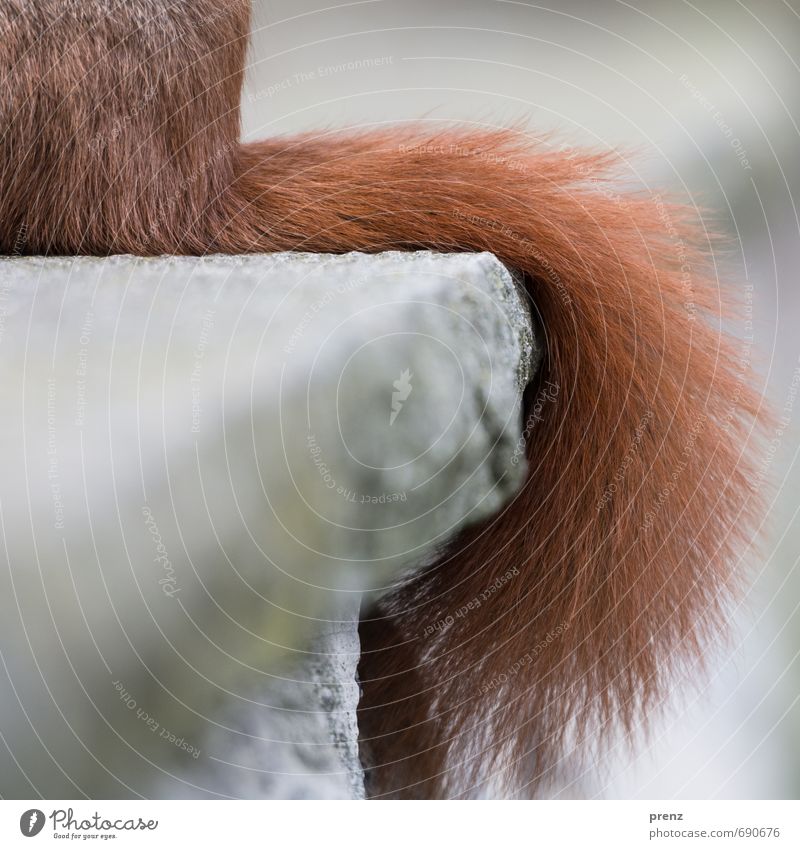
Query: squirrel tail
pixel 613 564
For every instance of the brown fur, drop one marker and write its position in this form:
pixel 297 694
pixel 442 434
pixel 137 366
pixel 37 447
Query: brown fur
pixel 120 130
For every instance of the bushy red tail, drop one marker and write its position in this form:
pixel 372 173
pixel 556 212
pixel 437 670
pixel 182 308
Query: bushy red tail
pixel 611 566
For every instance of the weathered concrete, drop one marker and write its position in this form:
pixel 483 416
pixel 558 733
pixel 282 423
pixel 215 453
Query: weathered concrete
pixel 205 463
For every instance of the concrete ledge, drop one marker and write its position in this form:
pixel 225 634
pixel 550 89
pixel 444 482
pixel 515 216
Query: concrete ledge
pixel 206 462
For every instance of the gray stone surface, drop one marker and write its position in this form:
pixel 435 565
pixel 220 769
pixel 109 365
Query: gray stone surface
pixel 206 462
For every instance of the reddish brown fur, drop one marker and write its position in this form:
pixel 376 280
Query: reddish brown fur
pixel 615 591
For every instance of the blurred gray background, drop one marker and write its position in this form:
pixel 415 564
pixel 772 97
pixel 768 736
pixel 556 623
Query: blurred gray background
pixel 705 97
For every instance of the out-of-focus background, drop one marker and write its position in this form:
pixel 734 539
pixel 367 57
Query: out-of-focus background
pixel 703 98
